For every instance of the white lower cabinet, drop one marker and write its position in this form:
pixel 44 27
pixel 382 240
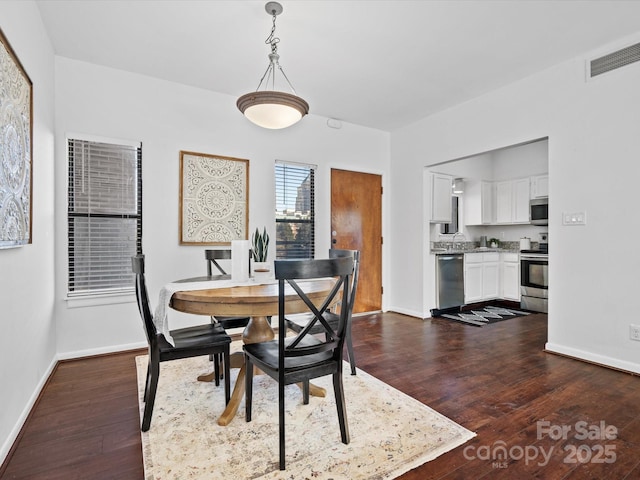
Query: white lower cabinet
pixel 481 276
pixel 510 275
pixel 472 281
pixel 491 280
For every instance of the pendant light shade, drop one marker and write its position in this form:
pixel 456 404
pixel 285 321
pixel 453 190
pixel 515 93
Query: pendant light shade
pixel 271 108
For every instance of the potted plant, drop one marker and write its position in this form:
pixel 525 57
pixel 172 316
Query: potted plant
pixel 260 251
pixel 494 243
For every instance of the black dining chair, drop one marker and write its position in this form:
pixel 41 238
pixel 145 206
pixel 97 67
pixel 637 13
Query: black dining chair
pixel 298 322
pixel 189 342
pixel 299 358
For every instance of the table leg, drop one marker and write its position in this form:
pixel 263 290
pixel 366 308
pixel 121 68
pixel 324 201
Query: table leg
pixel 315 391
pixel 236 397
pixel 236 360
pixel 257 330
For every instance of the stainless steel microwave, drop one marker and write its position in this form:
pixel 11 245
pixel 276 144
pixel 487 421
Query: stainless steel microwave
pixel 539 211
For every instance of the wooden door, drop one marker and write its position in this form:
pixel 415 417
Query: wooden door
pixel 356 224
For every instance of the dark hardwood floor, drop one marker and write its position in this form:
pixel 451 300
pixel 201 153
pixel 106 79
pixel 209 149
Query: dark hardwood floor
pixel 496 381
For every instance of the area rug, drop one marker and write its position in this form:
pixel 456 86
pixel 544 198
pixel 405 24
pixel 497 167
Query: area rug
pixel 391 433
pixel 485 316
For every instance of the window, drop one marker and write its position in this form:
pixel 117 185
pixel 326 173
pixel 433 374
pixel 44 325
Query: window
pixel 447 228
pixel 104 216
pixel 295 212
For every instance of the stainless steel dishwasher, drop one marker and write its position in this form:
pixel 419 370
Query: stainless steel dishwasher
pixel 450 281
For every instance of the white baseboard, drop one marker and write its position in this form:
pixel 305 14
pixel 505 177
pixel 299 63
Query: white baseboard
pixel 404 311
pixel 593 358
pixel 101 350
pixel 13 435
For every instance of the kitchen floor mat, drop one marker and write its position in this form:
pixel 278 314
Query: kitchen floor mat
pixel 485 316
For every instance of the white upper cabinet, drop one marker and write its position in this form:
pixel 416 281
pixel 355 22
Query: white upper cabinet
pixel 504 202
pixel 512 201
pixel 521 200
pixel 540 186
pixel 441 198
pixel 479 202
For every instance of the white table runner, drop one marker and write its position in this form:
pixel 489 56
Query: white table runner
pixel 160 319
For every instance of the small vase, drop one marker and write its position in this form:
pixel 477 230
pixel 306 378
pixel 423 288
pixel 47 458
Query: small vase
pixel 261 270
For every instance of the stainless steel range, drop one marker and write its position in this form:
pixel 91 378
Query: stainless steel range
pixel 534 277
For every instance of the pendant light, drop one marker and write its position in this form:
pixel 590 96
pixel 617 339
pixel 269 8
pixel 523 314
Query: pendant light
pixel 271 108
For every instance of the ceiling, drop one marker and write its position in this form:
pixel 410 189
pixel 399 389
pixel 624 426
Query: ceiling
pixel 381 64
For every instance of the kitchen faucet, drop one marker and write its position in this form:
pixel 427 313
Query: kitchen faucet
pixel 453 239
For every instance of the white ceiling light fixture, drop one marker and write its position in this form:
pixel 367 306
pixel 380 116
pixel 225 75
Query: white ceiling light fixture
pixel 271 108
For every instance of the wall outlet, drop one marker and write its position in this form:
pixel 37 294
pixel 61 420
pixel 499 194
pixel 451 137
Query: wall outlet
pixel 634 332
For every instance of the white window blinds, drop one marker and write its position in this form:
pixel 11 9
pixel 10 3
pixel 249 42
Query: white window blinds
pixel 104 216
pixel 295 212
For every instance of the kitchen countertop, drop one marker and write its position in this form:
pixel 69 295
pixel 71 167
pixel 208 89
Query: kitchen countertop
pixel 444 251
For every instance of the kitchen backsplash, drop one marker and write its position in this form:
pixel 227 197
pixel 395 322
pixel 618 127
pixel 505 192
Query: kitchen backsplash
pixel 505 245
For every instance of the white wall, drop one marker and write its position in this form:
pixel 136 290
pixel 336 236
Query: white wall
pixel 26 279
pixel 521 161
pixel 594 148
pixel 168 117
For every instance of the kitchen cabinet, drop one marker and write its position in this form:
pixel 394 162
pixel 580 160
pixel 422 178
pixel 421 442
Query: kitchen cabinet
pixel 472 280
pixel 441 198
pixel 510 276
pixel 540 186
pixel 481 276
pixel 512 201
pixel 479 205
pixel 521 200
pixel 504 202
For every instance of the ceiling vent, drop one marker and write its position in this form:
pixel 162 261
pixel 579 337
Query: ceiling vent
pixel 615 60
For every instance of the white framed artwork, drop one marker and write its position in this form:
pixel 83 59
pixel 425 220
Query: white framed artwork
pixel 16 146
pixel 214 194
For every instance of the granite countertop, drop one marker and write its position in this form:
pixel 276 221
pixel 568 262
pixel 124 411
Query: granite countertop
pixel 444 247
pixel 444 251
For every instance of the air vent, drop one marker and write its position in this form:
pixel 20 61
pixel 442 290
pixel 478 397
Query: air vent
pixel 615 60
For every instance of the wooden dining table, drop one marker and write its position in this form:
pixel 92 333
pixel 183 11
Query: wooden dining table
pixel 258 302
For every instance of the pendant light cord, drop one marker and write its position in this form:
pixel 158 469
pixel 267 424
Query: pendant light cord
pixel 270 73
pixel 271 39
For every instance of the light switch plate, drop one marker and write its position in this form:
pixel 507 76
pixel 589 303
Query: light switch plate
pixel 577 218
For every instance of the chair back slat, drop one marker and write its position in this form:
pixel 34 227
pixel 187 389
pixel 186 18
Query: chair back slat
pixel 338 253
pixel 142 296
pixel 213 255
pixel 317 312
pixel 289 272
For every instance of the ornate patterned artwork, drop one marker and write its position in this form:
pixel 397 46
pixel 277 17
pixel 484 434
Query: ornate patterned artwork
pixel 15 149
pixel 214 194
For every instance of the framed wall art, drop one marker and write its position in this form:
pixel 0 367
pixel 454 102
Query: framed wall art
pixel 214 195
pixel 16 145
